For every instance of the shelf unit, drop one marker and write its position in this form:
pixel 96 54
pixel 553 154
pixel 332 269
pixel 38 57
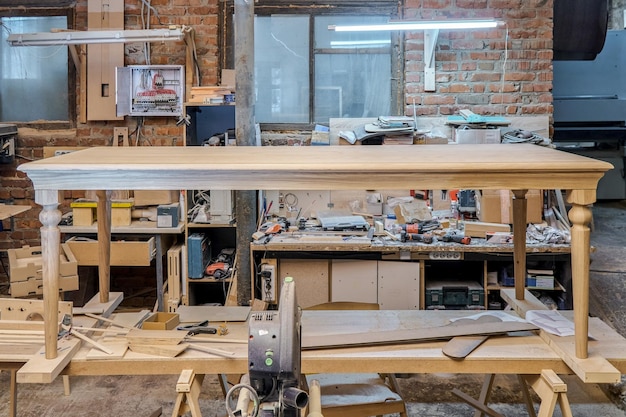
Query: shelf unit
pixel 445 262
pixel 206 121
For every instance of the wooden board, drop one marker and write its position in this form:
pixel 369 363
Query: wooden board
pixel 215 314
pixel 94 305
pixel 460 346
pixel 41 370
pixel 157 337
pixel 169 351
pixel 9 210
pixel 118 348
pixel 593 369
pixel 16 309
pixel 390 337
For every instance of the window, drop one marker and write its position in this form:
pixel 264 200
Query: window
pixel 307 74
pixel 33 77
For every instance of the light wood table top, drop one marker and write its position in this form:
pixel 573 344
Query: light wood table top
pixel 500 166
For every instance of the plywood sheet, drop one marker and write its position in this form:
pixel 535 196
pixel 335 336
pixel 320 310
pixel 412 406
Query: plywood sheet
pixel 311 278
pixel 196 314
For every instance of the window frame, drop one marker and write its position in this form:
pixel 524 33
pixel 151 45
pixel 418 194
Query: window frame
pixel 49 8
pixel 313 9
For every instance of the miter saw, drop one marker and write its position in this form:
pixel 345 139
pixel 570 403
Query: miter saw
pixel 273 380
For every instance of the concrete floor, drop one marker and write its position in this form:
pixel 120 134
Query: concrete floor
pixel 426 395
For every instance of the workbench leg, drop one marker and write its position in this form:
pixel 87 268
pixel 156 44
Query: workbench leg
pixel 159 272
pixel 188 387
pixel 485 393
pixel 519 241
pixel 526 394
pixel 13 394
pixel 66 385
pixel 104 243
pixel 552 390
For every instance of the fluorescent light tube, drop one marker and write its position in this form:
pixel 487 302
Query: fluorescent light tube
pixel 422 25
pixel 95 36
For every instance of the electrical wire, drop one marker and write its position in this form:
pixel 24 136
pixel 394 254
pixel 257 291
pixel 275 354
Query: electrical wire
pixel 506 57
pixel 254 397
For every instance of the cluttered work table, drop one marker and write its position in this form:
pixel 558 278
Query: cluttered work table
pixel 516 167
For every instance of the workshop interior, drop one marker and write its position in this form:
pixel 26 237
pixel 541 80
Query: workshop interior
pixel 298 207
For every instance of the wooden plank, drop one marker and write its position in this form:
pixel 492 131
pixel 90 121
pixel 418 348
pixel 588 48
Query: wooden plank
pixel 41 370
pixel 461 346
pixel 32 310
pixel 9 210
pixel 169 351
pixel 94 306
pixel 321 341
pixel 117 349
pixel 162 337
pixel 196 314
pixel 593 369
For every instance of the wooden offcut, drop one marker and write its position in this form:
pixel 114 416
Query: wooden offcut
pixel 478 327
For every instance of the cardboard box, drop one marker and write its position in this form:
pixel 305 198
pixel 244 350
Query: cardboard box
pixel 83 216
pixel 34 286
pixel 161 321
pixel 84 212
pixel 155 197
pixel 495 206
pixel 26 263
pixel 123 253
pixel 477 135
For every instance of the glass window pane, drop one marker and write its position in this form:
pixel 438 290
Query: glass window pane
pixel 33 77
pixel 352 69
pixel 281 56
pixel 352 85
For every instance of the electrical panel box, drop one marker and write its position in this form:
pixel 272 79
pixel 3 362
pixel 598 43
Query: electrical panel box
pixel 150 90
pixel 8 134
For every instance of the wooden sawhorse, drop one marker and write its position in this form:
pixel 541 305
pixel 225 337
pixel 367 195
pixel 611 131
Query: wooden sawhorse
pixel 549 387
pixel 188 389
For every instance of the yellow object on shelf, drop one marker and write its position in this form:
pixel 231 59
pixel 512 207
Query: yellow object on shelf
pixel 84 212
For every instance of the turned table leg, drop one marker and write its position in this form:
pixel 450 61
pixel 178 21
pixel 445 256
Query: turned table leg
pixel 50 217
pixel 580 215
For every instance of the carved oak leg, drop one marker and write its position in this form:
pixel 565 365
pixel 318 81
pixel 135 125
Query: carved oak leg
pixel 50 217
pixel 580 215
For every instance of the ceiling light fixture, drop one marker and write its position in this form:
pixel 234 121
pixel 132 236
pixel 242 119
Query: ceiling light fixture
pixel 95 36
pixel 431 33
pixel 418 25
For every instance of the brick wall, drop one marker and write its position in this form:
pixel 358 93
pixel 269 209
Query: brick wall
pixel 469 74
pixel 470 65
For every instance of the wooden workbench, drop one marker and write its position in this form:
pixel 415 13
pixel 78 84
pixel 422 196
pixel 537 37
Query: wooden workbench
pixel 516 167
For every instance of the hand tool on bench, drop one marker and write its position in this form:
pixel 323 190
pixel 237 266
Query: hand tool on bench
pixel 198 328
pixel 67 329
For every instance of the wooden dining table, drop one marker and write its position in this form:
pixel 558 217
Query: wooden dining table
pixel 516 167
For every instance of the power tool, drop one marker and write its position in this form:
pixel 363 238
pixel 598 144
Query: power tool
pixel 416 237
pixel 452 237
pixel 274 351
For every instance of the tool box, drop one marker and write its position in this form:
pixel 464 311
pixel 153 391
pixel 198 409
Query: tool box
pixel 454 295
pixel 199 253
